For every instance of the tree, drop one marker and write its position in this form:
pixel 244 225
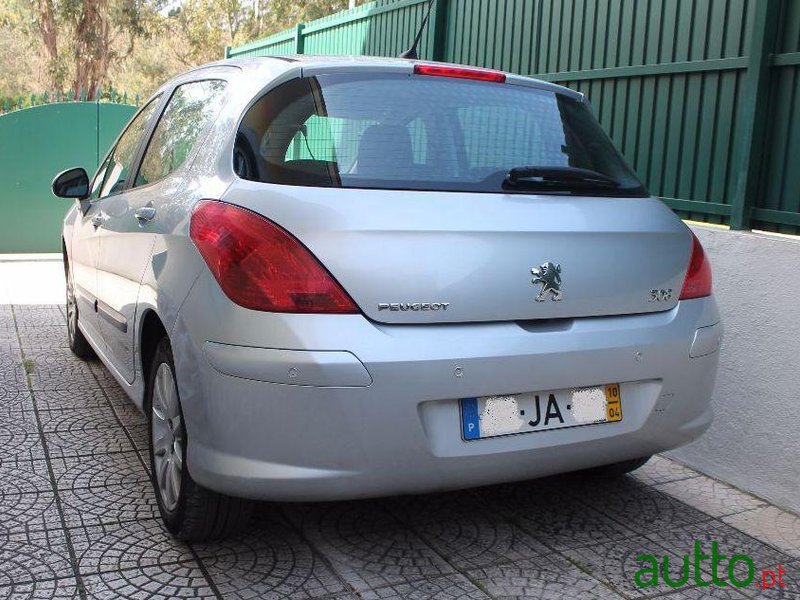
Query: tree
pixel 81 39
pixel 130 45
pixel 206 26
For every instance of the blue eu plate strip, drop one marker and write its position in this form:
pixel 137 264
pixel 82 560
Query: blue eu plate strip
pixel 470 419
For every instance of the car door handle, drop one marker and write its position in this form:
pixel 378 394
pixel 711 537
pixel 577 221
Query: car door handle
pixel 145 214
pixel 98 220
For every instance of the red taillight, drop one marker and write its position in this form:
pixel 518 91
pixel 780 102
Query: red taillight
pixel 698 277
pixel 460 73
pixel 262 267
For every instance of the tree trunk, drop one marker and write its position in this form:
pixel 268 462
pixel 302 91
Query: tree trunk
pixel 46 24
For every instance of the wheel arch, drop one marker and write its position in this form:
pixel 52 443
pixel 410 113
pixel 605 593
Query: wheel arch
pixel 151 332
pixel 64 254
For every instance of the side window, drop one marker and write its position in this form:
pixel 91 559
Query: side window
pixel 192 107
pixel 112 175
pixel 329 139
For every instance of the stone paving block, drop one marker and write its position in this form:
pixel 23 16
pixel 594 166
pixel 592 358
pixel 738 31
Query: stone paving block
pixel 711 497
pixel 85 507
pixel 57 369
pixel 80 398
pixel 19 438
pixel 83 432
pixel 48 589
pixel 27 500
pixel 30 512
pixel 645 509
pixel 272 561
pixel 38 339
pixel 33 318
pixel 615 563
pixel 480 540
pixel 104 376
pixel 662 470
pixel 9 343
pixel 552 516
pixel 731 541
pixel 140 436
pixel 12 372
pixel 771 525
pixel 366 546
pixel 129 414
pixel 14 400
pixel 128 545
pixel 700 593
pixel 33 556
pixel 180 580
pixel 450 587
pixel 100 471
pixel 573 527
pixel 465 530
pixel 545 577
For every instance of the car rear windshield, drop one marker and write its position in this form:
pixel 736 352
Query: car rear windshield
pixel 402 131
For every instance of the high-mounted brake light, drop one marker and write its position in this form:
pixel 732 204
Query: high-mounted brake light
pixel 261 266
pixel 697 283
pixel 460 73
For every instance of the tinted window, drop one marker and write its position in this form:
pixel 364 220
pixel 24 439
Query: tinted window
pixel 396 131
pixel 113 173
pixel 192 107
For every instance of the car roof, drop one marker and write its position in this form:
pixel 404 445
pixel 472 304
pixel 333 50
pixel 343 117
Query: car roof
pixel 278 64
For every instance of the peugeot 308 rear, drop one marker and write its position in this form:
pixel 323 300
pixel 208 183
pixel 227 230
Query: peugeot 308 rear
pixel 410 277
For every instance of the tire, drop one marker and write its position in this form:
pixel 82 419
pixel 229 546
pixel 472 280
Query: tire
pixel 190 511
pixel 77 341
pixel 619 469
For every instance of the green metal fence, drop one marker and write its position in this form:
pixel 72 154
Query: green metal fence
pixel 701 95
pixel 35 144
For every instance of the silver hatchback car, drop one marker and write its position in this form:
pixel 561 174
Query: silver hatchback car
pixel 326 278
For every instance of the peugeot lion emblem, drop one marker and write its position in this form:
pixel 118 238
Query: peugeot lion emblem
pixel 549 275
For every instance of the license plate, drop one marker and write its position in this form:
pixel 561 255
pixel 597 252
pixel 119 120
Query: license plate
pixel 492 416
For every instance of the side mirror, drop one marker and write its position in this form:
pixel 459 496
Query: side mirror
pixel 72 183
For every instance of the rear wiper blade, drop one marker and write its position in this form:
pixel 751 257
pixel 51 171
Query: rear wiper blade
pixel 558 177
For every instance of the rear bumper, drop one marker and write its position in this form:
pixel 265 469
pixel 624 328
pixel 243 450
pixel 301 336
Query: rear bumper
pixel 344 437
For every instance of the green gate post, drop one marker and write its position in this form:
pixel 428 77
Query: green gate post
pixel 298 38
pixel 440 29
pixel 754 110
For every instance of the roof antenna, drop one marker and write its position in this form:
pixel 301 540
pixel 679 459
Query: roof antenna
pixel 411 53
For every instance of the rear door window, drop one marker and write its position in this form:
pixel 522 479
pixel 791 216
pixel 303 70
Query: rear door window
pixel 113 174
pixel 189 111
pixel 400 131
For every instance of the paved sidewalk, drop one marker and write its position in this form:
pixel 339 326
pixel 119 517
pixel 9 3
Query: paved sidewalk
pixel 78 518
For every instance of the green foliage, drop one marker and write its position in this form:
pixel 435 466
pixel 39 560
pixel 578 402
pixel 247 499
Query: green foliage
pixel 132 45
pixel 11 103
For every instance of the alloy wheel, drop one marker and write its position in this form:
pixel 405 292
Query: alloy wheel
pixel 72 311
pixel 167 437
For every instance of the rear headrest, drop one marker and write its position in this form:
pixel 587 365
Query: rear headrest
pixel 384 151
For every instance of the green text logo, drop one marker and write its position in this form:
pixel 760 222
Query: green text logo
pixel 723 571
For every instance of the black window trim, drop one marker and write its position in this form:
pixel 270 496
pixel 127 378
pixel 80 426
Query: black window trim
pixel 158 100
